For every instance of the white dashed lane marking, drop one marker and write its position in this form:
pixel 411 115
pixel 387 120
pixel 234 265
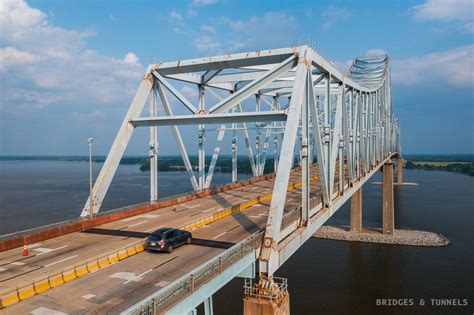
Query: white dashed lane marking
pixel 141 216
pixel 218 235
pixel 138 223
pixel 17 263
pixel 59 261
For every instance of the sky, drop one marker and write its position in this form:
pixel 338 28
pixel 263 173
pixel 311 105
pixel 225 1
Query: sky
pixel 69 69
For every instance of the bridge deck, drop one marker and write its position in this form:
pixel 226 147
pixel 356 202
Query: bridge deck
pixel 122 284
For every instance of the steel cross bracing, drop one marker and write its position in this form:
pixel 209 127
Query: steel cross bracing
pixel 292 95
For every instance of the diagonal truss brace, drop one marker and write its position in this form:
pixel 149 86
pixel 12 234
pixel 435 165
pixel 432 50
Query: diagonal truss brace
pixel 179 139
pixel 275 215
pixel 115 154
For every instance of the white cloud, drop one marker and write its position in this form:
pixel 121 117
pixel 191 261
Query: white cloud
pixel 43 64
pixel 189 92
pixel 452 67
pixel 208 29
pixel 131 58
pixel 333 14
pixel 190 12
pixel 201 3
pixel 375 52
pixel 11 57
pixel 468 27
pixel 452 11
pixel 176 16
pixel 445 10
pixel 208 43
pixel 271 30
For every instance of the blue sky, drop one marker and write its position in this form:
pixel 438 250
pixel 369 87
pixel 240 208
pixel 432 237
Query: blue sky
pixel 68 69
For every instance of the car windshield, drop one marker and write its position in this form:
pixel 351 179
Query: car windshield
pixel 155 237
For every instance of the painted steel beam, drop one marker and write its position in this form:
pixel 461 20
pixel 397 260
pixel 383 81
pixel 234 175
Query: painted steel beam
pixel 115 154
pixel 247 59
pixel 175 92
pixel 275 214
pixel 210 118
pixel 253 87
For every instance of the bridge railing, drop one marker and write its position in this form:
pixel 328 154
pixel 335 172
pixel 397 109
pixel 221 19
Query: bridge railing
pixel 187 284
pixel 192 281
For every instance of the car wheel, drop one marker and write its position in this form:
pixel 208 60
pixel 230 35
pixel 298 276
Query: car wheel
pixel 170 248
pixel 188 240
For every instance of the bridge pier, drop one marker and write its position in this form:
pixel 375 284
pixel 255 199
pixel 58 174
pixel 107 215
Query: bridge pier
pixel 356 211
pixel 266 296
pixel 399 170
pixel 388 209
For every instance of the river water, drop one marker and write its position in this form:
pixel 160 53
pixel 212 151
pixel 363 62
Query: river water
pixel 323 276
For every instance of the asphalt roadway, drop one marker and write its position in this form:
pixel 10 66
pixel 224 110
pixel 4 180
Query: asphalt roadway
pixel 115 287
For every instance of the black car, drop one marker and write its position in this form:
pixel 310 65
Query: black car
pixel 167 239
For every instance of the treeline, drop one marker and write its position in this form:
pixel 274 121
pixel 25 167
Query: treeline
pixel 465 168
pixel 223 165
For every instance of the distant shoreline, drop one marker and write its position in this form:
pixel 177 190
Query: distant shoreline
pixel 458 163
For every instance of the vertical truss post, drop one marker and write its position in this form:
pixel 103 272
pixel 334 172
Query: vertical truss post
pixel 366 140
pixel 327 134
pixel 358 135
pixel 319 146
pixel 342 139
pixel 335 144
pixel 276 105
pixel 257 136
pixel 153 153
pixel 202 153
pixel 305 148
pixel 115 154
pixel 268 256
pixel 234 150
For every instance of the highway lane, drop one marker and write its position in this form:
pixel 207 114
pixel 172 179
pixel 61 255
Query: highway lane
pixel 56 254
pixel 120 285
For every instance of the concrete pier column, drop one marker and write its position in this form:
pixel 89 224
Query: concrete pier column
pixel 267 297
pixel 356 211
pixel 256 306
pixel 388 209
pixel 400 170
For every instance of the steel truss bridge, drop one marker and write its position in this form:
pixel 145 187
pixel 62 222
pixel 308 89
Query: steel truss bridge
pixel 311 110
pixel 318 110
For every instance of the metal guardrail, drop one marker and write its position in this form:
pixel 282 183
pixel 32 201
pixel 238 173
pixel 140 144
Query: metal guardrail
pixel 192 281
pixel 295 215
pixel 274 291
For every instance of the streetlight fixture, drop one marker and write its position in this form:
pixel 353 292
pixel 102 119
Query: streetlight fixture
pixel 91 212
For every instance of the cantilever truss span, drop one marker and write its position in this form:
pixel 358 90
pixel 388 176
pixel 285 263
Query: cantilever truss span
pixel 304 102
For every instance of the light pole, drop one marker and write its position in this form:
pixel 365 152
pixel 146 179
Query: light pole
pixel 90 140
